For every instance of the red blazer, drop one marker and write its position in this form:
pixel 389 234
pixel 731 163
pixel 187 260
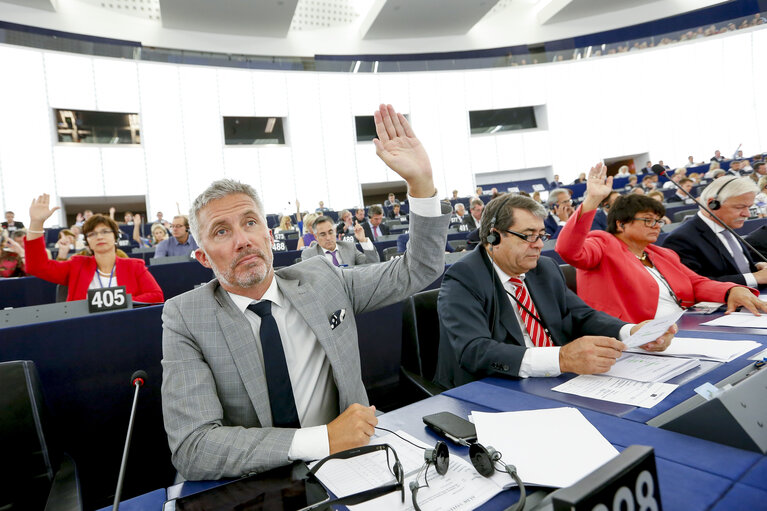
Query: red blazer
pixel 77 273
pixel 611 278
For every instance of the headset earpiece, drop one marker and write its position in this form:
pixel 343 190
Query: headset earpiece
pixel 493 238
pixel 482 459
pixel 439 456
pixel 413 486
pixel 715 203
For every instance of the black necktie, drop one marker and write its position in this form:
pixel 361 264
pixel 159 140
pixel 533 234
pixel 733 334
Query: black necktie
pixel 281 401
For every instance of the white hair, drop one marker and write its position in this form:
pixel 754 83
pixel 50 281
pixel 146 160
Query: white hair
pixel 734 186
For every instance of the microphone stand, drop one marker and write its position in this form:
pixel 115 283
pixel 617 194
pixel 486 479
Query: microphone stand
pixel 137 380
pixel 662 171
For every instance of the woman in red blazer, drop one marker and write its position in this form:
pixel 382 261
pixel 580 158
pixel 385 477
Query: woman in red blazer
pixel 80 273
pixel 622 273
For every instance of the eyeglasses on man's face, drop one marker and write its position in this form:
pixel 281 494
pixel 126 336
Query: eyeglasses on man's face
pixel 530 238
pixel 651 222
pixel 177 226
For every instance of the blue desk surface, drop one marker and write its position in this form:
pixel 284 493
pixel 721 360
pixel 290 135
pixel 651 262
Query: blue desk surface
pixel 693 473
pixel 151 500
pixel 742 497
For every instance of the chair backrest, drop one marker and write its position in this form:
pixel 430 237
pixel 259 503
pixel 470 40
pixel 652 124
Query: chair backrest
pixel 420 333
pixel 28 463
pixel 457 244
pixel 680 215
pixel 390 253
pixel 62 292
pixel 569 273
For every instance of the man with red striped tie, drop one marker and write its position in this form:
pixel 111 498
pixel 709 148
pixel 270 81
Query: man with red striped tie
pixel 506 311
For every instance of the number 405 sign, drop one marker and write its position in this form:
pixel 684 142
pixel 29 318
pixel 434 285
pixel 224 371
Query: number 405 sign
pixel 107 299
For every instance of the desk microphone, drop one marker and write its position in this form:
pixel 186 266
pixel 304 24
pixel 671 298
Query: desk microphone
pixel 136 380
pixel 661 171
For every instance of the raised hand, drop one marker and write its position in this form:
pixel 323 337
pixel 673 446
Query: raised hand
pixel 399 148
pixel 39 210
pixel 598 187
pixel 359 232
pixel 136 219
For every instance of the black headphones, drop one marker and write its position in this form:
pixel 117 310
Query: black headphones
pixel 493 238
pixel 715 203
pixel 484 460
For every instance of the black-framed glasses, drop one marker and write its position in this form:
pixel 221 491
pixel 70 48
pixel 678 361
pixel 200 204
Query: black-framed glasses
pixel 530 238
pixel 651 222
pixel 373 493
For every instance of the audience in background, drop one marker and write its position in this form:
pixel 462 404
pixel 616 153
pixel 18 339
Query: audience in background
pixel 455 194
pixel 391 201
pixel 80 273
pixel 10 223
pixel 180 243
pixel 555 183
pixel 717 156
pixel 374 227
pixel 647 169
pixel 479 191
pixel 623 171
pixel 679 196
pixel 675 178
pixel 395 213
pixel 157 233
pixel 345 225
pixel 286 224
pixel 340 253
pixel 474 218
pixel 307 238
pixel 11 256
pixel 580 179
pixel 631 183
pixel 560 208
pixel 321 209
pixel 359 215
pixel 67 245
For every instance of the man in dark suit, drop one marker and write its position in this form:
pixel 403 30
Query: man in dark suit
pixel 10 224
pixel 483 330
pixel 600 219
pixel 474 218
pixel 679 196
pixel 561 207
pixel 707 248
pixel 374 227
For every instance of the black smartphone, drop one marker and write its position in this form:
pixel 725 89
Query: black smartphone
pixel 450 425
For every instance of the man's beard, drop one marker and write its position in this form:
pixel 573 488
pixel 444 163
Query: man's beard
pixel 246 277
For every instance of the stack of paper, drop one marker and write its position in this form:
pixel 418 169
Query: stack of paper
pixel 650 368
pixel 554 447
pixel 739 319
pixel 617 390
pixel 706 349
pixel 461 488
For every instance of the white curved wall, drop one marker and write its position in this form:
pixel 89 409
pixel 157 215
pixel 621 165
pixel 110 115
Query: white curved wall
pixel 669 102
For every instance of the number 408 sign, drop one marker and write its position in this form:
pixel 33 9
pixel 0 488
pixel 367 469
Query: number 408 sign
pixel 107 299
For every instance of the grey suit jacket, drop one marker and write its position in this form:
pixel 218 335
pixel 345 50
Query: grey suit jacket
pixel 214 394
pixel 349 253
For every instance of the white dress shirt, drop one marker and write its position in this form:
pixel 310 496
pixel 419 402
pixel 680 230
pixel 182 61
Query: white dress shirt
pixel 310 373
pixel 719 230
pixel 543 361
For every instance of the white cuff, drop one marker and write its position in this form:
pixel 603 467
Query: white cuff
pixel 750 280
pixel 625 332
pixel 424 207
pixel 367 245
pixel 310 444
pixel 539 362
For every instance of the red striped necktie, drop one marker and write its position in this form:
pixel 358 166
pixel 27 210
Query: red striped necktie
pixel 534 328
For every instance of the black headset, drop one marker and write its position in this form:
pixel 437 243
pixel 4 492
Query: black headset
pixel 493 238
pixel 715 203
pixel 484 459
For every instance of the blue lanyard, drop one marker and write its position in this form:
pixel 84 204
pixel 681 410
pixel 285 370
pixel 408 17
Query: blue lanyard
pixel 98 274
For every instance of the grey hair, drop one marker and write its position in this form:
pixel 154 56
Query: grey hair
pixel 218 190
pixel 735 186
pixel 504 218
pixel 553 194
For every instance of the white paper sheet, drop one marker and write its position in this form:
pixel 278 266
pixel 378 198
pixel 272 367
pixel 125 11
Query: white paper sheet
pixel 617 390
pixel 739 319
pixel 706 349
pixel 653 329
pixel 553 447
pixel 461 489
pixel 650 368
pixel 758 356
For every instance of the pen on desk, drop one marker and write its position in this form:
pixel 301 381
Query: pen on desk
pixel 757 365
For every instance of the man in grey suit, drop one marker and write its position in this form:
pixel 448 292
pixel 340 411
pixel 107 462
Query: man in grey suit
pixel 222 414
pixel 340 253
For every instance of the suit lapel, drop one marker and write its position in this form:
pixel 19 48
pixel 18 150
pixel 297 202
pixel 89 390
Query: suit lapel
pixel 238 333
pixel 712 239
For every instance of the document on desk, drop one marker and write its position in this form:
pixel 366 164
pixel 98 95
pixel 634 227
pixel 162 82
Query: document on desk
pixel 461 488
pixel 652 330
pixel 717 350
pixel 739 319
pixel 759 356
pixel 650 368
pixel 552 447
pixel 617 390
